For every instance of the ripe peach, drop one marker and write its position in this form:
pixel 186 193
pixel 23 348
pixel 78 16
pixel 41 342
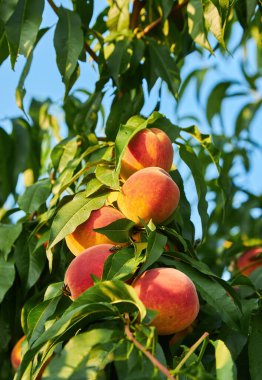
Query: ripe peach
pixel 172 294
pixel 149 193
pixel 91 261
pixel 84 237
pixel 248 262
pixel 16 354
pixel 149 147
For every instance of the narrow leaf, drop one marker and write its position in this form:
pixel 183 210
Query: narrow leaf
pixel 68 41
pixel 22 27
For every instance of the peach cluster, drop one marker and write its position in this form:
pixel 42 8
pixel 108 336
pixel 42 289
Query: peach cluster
pixel 148 193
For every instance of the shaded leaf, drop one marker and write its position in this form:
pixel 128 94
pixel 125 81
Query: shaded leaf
pixel 68 41
pixel 117 231
pixel 34 196
pixel 22 27
pixel 164 65
pixel 196 26
pixel 8 235
pixel 254 346
pixel 7 276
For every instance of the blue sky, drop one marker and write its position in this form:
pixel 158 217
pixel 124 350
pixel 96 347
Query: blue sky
pixel 44 81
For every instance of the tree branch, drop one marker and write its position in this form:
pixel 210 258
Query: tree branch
pixel 87 47
pixel 138 5
pixel 148 354
pixel 191 350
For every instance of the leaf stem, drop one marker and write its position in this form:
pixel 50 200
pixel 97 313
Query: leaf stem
pixel 138 5
pixel 190 352
pixel 148 354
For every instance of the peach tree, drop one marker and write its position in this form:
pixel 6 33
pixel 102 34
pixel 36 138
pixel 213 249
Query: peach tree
pixel 49 186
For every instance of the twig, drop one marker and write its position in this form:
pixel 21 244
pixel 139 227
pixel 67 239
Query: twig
pixel 148 354
pixel 53 6
pixel 149 27
pixel 138 5
pixel 87 47
pixel 190 352
pixel 91 52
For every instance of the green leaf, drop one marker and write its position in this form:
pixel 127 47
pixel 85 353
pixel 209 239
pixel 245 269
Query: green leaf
pixel 166 6
pixel 215 99
pixel 225 366
pixel 108 177
pixel 117 231
pixel 85 10
pixel 121 265
pixel 6 183
pixel 184 208
pixel 34 196
pixel 4 52
pixel 38 316
pixel 119 60
pixel 214 22
pixel 20 90
pixel 68 41
pixel 64 152
pixel 118 15
pixel 8 235
pixel 72 214
pixel 122 108
pixel 7 8
pixel 103 301
pixel 196 27
pixel 254 346
pixel 7 276
pixel 155 248
pixel 29 264
pixel 22 27
pixel 191 160
pixel 246 115
pixel 86 354
pixel 21 147
pixel 164 65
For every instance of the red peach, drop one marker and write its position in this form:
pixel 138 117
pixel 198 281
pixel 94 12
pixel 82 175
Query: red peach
pixel 78 274
pixel 150 193
pixel 248 262
pixel 84 236
pixel 172 294
pixel 16 354
pixel 149 147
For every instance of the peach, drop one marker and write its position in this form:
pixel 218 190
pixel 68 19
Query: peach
pixel 149 193
pixel 172 294
pixel 84 236
pixel 16 354
pixel 149 147
pixel 248 261
pixel 78 274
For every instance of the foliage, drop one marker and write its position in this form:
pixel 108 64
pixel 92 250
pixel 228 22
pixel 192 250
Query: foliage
pixel 105 334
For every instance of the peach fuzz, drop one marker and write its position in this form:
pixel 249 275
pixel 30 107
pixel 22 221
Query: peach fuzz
pixel 247 262
pixel 172 294
pixel 91 261
pixel 84 236
pixel 149 193
pixel 149 147
pixel 16 354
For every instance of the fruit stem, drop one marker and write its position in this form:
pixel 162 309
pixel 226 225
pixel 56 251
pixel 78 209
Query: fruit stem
pixel 190 352
pixel 148 354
